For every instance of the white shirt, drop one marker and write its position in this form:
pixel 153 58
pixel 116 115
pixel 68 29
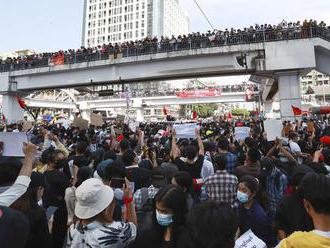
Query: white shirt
pixel 294 147
pixel 70 200
pixel 97 235
pixel 15 191
pixel 207 169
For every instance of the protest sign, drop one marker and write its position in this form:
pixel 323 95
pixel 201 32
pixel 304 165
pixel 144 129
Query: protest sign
pixel 13 144
pixel 96 120
pixel 273 128
pixel 242 132
pixel 133 126
pixel 80 122
pixel 185 131
pixel 249 240
pixel 66 124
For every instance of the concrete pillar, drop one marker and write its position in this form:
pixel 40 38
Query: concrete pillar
pixel 139 115
pixel 86 114
pixel 289 93
pixel 11 109
pixel 138 104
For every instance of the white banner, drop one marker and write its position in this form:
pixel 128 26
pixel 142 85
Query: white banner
pixel 273 128
pixel 13 144
pixel 185 131
pixel 242 132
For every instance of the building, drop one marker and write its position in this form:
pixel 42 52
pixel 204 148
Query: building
pixel 117 21
pixel 15 54
pixel 315 88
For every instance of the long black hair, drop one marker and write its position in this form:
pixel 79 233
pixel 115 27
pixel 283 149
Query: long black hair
pixel 210 225
pixel 173 198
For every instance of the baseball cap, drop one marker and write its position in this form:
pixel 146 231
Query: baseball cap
pixel 92 198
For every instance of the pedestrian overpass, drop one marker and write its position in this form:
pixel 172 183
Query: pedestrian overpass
pixel 280 62
pixel 138 102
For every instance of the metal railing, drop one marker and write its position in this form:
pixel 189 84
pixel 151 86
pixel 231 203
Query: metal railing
pixel 109 52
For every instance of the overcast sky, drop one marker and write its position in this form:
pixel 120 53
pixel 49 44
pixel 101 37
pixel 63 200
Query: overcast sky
pixel 48 25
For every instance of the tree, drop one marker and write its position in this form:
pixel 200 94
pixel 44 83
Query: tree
pixel 240 111
pixel 205 110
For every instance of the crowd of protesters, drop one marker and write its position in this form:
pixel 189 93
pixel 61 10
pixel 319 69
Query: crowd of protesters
pixel 257 33
pixel 112 186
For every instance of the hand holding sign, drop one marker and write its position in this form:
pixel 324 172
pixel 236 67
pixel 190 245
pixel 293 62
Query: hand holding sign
pixel 185 131
pixel 29 149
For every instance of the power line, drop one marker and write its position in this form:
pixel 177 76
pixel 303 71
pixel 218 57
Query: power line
pixel 207 19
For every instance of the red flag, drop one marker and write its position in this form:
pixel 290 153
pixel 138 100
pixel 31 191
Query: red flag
pixel 120 137
pixel 21 102
pixel 3 118
pixel 58 59
pixel 229 116
pixel 325 140
pixel 165 111
pixel 296 111
pixel 195 115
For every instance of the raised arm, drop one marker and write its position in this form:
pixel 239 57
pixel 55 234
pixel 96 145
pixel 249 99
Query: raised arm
pixel 129 203
pixel 200 142
pixel 175 149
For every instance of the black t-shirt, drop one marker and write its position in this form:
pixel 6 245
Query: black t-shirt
pixel 39 234
pixel 291 215
pixel 80 161
pixel 194 169
pixel 56 183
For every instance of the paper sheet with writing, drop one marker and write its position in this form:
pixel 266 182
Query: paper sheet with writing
pixel 273 128
pixel 96 120
pixel 242 132
pixel 80 122
pixel 13 144
pixel 249 240
pixel 133 126
pixel 185 131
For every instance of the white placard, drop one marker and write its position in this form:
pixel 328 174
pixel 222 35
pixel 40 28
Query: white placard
pixel 273 128
pixel 242 132
pixel 185 131
pixel 13 144
pixel 133 126
pixel 249 240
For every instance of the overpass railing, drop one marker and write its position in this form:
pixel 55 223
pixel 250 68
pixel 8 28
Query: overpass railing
pixel 109 52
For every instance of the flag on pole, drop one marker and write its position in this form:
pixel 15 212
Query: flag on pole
pixel 21 102
pixel 165 111
pixel 229 116
pixel 195 115
pixel 296 111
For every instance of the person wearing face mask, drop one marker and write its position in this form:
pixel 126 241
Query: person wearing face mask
pixel 251 214
pixel 56 183
pixel 167 222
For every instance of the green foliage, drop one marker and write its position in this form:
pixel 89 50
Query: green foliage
pixel 205 110
pixel 240 112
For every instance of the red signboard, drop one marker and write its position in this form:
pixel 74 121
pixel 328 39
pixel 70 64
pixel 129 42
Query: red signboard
pixel 199 93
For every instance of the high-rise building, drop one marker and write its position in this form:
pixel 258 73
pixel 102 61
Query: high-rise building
pixel 315 88
pixel 116 21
